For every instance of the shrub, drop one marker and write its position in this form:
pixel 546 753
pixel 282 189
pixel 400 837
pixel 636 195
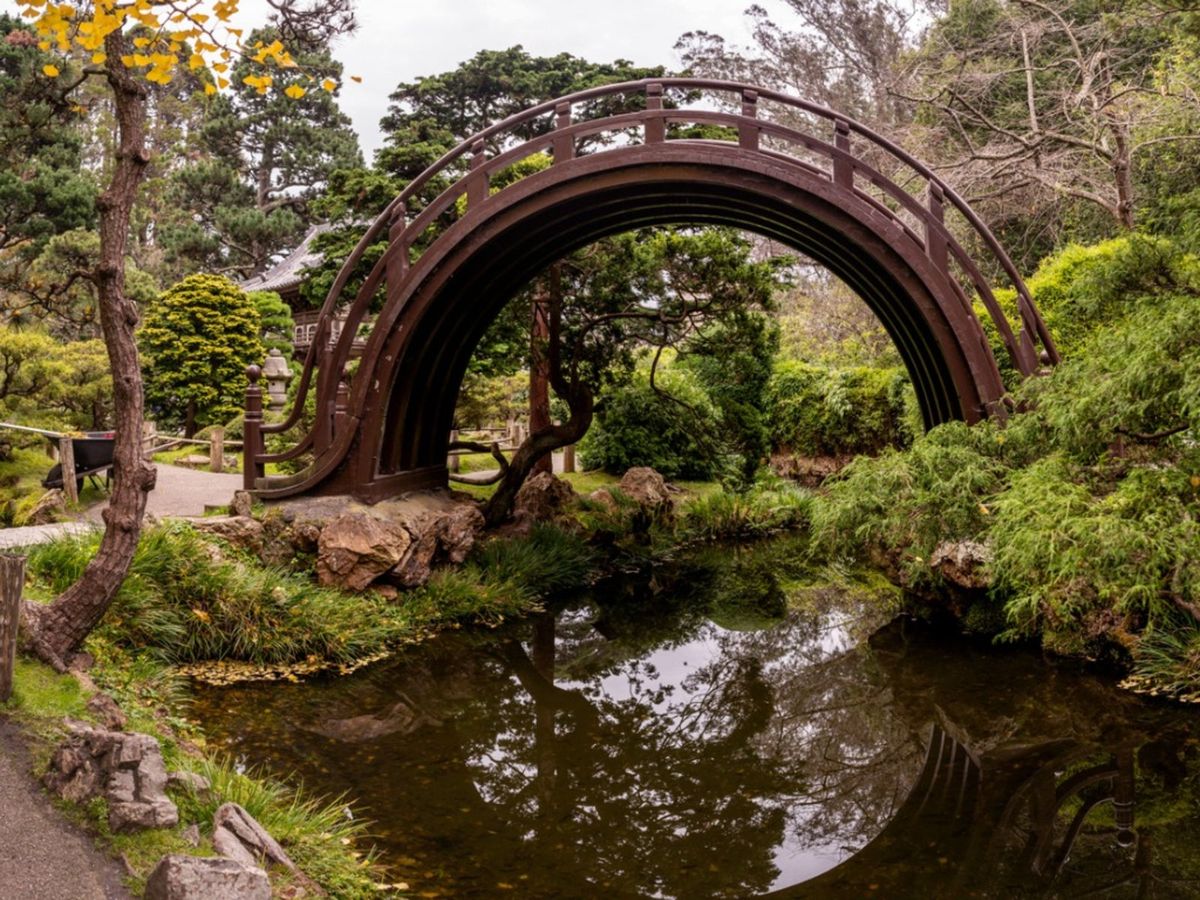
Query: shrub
pixel 196 342
pixel 764 508
pixel 819 411
pixel 639 427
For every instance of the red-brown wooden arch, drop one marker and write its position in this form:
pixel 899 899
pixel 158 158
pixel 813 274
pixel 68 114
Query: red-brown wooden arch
pixel 387 431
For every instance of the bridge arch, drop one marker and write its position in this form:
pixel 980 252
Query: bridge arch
pixel 386 431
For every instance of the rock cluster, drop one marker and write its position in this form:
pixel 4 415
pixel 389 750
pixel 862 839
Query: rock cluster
pixel 542 498
pixel 126 769
pixel 182 877
pixel 238 836
pixel 963 563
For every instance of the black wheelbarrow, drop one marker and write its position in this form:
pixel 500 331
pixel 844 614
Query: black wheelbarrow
pixel 93 456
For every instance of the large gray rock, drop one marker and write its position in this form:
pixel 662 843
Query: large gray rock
pixel 963 563
pixel 447 537
pixel 125 769
pixel 238 836
pixel 542 498
pixel 356 548
pixel 181 877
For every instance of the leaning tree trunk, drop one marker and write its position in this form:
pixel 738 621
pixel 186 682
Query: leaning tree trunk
pixel 539 375
pixel 57 631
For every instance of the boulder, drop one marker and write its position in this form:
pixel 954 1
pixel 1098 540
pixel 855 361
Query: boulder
pixel 447 537
pixel 181 877
pixel 604 497
pixel 192 782
pixel 963 563
pixel 125 769
pixel 106 711
pixel 355 549
pixel 242 504
pixel 649 490
pixel 51 507
pixel 542 498
pixel 240 531
pixel 238 836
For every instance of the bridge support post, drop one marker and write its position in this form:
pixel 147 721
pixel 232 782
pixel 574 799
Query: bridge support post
pixel 252 448
pixel 66 459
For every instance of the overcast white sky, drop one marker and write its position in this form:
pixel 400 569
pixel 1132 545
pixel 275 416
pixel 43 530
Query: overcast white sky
pixel 399 40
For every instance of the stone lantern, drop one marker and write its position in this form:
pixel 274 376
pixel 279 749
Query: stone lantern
pixel 277 375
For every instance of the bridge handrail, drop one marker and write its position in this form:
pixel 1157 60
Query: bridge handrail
pixel 394 216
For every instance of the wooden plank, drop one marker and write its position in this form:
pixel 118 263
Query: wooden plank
pixel 216 450
pixel 66 457
pixel 12 582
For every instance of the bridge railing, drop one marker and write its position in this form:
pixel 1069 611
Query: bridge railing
pixel 846 154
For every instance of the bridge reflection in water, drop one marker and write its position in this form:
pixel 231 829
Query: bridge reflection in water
pixel 688 739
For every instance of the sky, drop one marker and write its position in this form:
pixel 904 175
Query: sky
pixel 399 40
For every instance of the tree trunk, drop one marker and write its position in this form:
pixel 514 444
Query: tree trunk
pixel 57 631
pixel 539 376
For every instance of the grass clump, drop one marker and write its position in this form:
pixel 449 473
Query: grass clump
pixel 767 507
pixel 188 605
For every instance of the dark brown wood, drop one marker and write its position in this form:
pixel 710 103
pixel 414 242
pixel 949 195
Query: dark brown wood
pixel 12 583
pixel 66 459
pixel 399 412
pixel 252 430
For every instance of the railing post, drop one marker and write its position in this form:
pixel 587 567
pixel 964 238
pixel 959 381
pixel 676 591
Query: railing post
pixel 12 582
pixel 656 128
pixel 252 447
pixel 452 460
pixel 477 183
pixel 935 241
pixel 564 144
pixel 323 424
pixel 748 134
pixel 568 459
pixel 341 404
pixel 216 450
pixel 843 167
pixel 66 459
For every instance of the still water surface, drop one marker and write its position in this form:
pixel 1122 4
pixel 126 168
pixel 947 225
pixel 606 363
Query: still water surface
pixel 734 727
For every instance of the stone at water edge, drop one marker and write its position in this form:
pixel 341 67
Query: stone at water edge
pixel 125 769
pixel 447 537
pixel 649 489
pixel 604 497
pixel 181 877
pixel 963 563
pixel 355 549
pixel 237 835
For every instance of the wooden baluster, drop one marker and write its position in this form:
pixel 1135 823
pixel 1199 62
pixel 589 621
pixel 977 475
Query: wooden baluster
pixel 252 449
pixel 748 135
pixel 843 166
pixel 477 182
pixel 656 128
pixel 341 404
pixel 935 240
pixel 66 459
pixel 216 450
pixel 564 144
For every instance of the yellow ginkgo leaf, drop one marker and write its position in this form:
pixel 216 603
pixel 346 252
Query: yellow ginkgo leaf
pixel 50 71
pixel 329 84
pixel 210 89
pixel 99 58
pixel 295 91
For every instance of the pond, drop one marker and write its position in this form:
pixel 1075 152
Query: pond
pixel 733 726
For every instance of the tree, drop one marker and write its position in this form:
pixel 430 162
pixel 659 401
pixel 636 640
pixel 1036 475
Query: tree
pixel 131 45
pixel 196 342
pixel 640 292
pixel 277 323
pixel 1046 107
pixel 262 159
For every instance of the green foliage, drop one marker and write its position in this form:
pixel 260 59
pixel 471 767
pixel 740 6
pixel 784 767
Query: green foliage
pixel 545 561
pixel 277 323
pixel 823 411
pixel 638 426
pixel 196 342
pixel 732 515
pixel 188 607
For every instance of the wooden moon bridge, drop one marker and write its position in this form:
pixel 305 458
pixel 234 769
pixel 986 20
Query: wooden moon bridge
pixel 626 156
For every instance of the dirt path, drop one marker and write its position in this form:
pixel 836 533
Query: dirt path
pixel 181 492
pixel 42 855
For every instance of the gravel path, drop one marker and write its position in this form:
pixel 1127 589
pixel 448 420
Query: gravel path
pixel 42 856
pixel 182 492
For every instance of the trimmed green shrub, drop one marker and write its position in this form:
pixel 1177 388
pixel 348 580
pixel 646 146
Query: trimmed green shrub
pixel 819 411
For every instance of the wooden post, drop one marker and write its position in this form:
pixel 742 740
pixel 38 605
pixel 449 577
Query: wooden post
pixel 149 436
pixel 568 459
pixel 452 460
pixel 252 441
pixel 66 457
pixel 216 450
pixel 12 581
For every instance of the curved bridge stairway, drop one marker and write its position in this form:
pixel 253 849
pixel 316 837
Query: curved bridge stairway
pixel 622 158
